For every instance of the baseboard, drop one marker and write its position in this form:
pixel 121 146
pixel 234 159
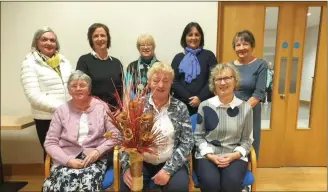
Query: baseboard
pixel 305 102
pixel 36 169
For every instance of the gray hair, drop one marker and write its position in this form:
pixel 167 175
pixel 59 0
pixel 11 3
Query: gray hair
pixel 38 34
pixel 79 75
pixel 218 69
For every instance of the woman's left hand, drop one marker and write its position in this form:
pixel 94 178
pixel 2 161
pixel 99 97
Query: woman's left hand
pixel 92 157
pixel 194 101
pixel 227 158
pixel 161 178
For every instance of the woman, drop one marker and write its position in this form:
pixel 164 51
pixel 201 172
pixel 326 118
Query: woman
pixel 170 168
pixel 75 140
pixel 253 72
pixel 138 69
pixel 192 68
pixel 44 75
pixel 223 134
pixel 104 70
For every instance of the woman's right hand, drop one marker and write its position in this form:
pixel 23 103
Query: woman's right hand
pixel 127 178
pixel 75 163
pixel 215 159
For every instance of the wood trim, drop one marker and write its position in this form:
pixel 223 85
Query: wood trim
pixel 23 169
pixel 305 102
pixel 219 32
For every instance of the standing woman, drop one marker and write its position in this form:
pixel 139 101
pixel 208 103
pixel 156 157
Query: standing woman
pixel 105 71
pixel 192 68
pixel 44 76
pixel 138 69
pixel 253 74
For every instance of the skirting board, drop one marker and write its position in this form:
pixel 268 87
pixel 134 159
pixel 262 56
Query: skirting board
pixel 23 169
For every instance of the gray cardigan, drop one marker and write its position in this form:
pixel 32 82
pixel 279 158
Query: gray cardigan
pixel 184 142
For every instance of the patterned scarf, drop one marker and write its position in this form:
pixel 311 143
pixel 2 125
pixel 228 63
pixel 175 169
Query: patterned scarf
pixel 190 64
pixel 53 61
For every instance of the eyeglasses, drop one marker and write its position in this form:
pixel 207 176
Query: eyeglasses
pixel 146 45
pixel 225 79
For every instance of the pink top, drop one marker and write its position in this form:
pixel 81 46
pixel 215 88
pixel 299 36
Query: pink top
pixel 62 138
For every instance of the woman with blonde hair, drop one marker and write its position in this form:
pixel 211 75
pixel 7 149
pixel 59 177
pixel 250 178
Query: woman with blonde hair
pixel 138 69
pixel 223 135
pixel 44 75
pixel 168 169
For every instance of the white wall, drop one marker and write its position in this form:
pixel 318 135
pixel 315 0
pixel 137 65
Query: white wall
pixel 70 20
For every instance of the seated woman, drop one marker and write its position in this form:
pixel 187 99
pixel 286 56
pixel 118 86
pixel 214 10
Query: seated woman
pixel 138 69
pixel 170 168
pixel 75 140
pixel 223 135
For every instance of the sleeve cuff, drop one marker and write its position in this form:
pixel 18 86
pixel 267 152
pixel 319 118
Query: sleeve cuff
pixel 204 149
pixel 241 150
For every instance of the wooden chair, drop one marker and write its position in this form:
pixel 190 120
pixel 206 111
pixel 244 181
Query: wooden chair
pixel 250 175
pixel 115 176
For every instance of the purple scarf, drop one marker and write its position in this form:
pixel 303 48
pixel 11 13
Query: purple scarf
pixel 190 64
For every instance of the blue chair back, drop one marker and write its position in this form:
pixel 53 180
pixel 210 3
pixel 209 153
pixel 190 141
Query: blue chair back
pixel 249 177
pixel 193 120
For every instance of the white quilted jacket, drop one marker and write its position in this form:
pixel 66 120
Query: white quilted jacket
pixel 43 87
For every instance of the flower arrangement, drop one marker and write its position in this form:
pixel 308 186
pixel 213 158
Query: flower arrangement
pixel 135 125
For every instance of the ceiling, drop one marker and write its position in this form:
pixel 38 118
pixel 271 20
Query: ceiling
pixel 271 17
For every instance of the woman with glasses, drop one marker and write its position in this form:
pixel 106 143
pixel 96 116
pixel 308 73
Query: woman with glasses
pixel 138 69
pixel 253 74
pixel 223 135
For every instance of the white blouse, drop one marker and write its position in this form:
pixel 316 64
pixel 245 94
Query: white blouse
pixel 83 129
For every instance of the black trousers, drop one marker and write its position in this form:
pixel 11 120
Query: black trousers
pixel 214 179
pixel 177 183
pixel 42 127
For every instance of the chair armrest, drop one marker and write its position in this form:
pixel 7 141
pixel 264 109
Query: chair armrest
pixel 253 166
pixel 191 182
pixel 47 166
pixel 116 167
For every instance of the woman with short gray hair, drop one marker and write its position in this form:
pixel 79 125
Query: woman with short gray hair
pixel 44 74
pixel 75 140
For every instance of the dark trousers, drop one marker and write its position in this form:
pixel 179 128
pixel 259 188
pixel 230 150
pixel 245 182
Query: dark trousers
pixel 42 127
pixel 269 94
pixel 214 179
pixel 177 183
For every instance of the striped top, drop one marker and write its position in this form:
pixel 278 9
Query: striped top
pixel 224 128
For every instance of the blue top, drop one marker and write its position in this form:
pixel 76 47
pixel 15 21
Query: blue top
pixel 253 77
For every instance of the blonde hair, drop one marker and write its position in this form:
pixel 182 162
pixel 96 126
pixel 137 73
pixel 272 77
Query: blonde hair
pixel 39 33
pixel 160 67
pixel 145 38
pixel 218 69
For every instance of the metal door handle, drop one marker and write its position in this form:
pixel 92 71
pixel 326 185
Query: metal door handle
pixel 282 96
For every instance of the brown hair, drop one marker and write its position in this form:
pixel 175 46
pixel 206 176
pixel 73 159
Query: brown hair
pixel 92 29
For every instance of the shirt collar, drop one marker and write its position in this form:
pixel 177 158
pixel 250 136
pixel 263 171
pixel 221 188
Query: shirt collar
pixel 166 105
pixel 217 103
pixel 97 57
